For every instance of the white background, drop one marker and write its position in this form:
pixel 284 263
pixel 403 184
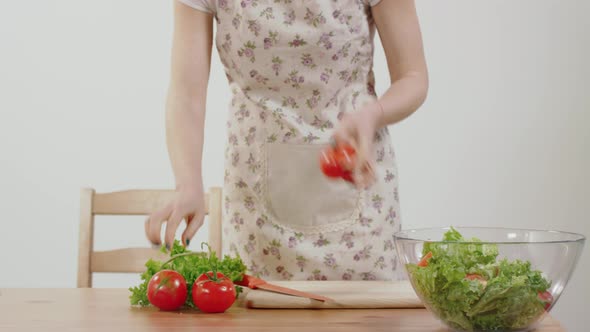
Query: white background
pixel 503 139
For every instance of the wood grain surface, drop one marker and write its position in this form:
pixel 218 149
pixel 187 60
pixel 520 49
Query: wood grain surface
pixel 89 310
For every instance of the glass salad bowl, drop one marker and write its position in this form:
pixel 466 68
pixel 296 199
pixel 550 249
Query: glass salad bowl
pixel 488 279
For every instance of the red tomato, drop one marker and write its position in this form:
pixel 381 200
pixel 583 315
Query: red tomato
pixel 347 176
pixel 547 298
pixel 328 163
pixel 338 162
pixel 474 277
pixel 345 156
pixel 213 296
pixel 424 261
pixel 167 290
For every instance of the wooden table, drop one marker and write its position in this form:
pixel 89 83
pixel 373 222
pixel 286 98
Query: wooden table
pixel 108 310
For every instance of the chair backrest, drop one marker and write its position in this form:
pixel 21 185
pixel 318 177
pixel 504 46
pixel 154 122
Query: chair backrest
pixel 131 202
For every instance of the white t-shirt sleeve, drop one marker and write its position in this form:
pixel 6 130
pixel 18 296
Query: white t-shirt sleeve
pixel 373 2
pixel 207 6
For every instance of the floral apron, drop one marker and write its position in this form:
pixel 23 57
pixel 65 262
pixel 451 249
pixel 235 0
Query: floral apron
pixel 294 67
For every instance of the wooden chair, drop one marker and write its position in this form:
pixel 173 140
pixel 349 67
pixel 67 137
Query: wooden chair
pixel 131 202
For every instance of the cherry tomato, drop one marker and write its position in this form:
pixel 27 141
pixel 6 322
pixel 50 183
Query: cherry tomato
pixel 338 161
pixel 546 298
pixel 167 290
pixel 475 276
pixel 213 295
pixel 328 163
pixel 345 157
pixel 347 176
pixel 424 261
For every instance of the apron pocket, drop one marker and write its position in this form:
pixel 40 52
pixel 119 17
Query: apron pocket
pixel 299 197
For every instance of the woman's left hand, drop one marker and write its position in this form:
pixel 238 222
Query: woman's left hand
pixel 358 129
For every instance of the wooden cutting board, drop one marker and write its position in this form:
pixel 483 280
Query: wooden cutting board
pixel 346 294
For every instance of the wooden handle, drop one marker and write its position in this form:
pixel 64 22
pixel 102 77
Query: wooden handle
pixel 250 282
pixel 345 294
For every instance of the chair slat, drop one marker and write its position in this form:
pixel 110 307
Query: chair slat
pixel 215 199
pixel 133 202
pixel 85 238
pixel 124 260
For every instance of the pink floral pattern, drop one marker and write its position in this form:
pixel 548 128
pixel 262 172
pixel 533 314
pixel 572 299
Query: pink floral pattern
pixel 321 241
pixel 294 69
pixel 297 42
pixel 330 261
pixel 237 221
pixel 317 275
pixel 273 249
pixel 248 51
pixel 326 40
pixel 347 275
pixel 267 13
pixel 364 254
pixel 389 176
pixel 295 239
pixel 314 19
pixel 289 17
pixel 284 273
pixel 250 247
pixel 301 262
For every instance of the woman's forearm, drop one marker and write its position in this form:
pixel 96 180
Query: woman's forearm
pixel 185 119
pixel 403 98
pixel 399 30
pixel 187 94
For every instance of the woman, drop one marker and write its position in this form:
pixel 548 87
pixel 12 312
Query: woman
pixel 300 72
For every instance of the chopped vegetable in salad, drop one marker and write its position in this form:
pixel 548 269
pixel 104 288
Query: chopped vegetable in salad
pixel 470 289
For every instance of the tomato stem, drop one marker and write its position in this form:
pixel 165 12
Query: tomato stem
pixel 212 262
pixel 184 254
pixel 214 277
pixel 205 244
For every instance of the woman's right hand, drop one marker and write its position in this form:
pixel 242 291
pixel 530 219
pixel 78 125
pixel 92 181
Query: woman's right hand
pixel 188 204
pixel 185 120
